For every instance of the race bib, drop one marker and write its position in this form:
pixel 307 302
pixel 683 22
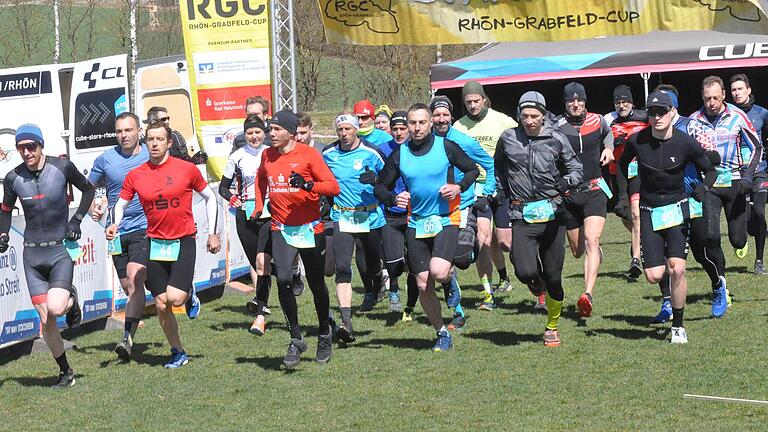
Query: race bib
pixel 538 212
pixel 265 211
pixel 632 171
pixel 249 207
pixel 115 246
pixel 429 226
pixel 464 218
pixel 695 208
pixel 300 237
pixel 73 249
pixel 724 178
pixel 164 250
pixel 604 186
pixel 746 154
pixel 666 216
pixel 351 221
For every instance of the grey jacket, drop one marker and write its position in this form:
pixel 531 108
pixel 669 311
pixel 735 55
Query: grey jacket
pixel 529 168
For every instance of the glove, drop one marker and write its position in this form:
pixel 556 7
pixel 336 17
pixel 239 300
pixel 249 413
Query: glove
pixel 562 185
pixel 4 238
pixel 623 212
pixel 481 204
pixel 368 176
pixel 296 180
pixel 700 192
pixel 745 187
pixel 233 199
pixel 713 157
pixel 499 197
pixel 325 206
pixel 73 229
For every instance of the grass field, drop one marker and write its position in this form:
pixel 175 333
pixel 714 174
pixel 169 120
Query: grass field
pixel 613 372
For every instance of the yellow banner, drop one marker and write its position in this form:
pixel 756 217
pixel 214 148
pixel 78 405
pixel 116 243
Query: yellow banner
pixel 227 45
pixel 432 22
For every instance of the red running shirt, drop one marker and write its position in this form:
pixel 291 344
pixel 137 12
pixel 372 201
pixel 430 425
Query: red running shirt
pixel 165 192
pixel 287 204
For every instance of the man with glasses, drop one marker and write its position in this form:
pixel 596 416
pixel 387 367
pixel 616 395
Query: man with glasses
pixel 364 111
pixel 179 147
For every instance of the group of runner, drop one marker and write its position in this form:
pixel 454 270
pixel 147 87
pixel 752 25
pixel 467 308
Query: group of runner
pixel 415 193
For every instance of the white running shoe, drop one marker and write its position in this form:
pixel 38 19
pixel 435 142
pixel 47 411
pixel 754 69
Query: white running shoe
pixel 679 336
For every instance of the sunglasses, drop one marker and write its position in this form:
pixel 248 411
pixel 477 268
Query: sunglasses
pixel 657 112
pixel 30 147
pixel 363 117
pixel 164 119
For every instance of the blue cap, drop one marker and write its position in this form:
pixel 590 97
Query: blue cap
pixel 29 131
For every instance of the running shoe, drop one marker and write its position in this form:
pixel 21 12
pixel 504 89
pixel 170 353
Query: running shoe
pixel 193 304
pixel 75 314
pixel 394 302
pixel 324 348
pixel 551 338
pixel 488 303
pixel 178 359
pixel 293 355
pixel 297 285
pixel 504 286
pixel 259 326
pixel 123 349
pixel 665 314
pixel 369 301
pixel 444 342
pixel 458 322
pixel 345 334
pixel 760 268
pixel 635 270
pixel 541 303
pixel 719 300
pixel 742 253
pixel 407 315
pixel 454 294
pixel 678 336
pixel 65 380
pixel 252 306
pixel 585 305
pixel 267 311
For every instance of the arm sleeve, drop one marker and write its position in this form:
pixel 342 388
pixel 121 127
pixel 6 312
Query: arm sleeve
pixel 387 178
pixel 464 163
pixel 88 191
pixel 260 186
pixel 607 134
pixel 325 182
pixel 574 171
pixel 9 199
pixel 224 186
pixel 211 209
pixel 119 210
pixel 702 162
pixel 751 141
pixel 626 157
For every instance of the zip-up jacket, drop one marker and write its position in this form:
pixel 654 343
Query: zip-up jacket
pixel 588 140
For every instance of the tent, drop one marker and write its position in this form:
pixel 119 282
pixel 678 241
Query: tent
pixel 679 58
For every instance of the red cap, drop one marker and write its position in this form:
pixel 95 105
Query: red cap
pixel 364 107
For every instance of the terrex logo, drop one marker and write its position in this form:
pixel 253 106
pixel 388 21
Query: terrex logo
pixel 108 73
pixel 222 8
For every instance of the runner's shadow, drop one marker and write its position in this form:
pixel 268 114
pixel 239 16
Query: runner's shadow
pixel 635 320
pixel 502 338
pixel 236 309
pixel 389 318
pixel 690 299
pixel 613 275
pixel 35 381
pixel 413 344
pixel 267 363
pixel 159 360
pixel 631 334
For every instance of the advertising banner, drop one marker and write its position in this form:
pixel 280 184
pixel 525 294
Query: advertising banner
pixel 228 59
pixel 432 22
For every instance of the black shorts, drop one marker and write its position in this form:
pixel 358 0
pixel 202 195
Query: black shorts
pixel 499 212
pixel 581 205
pixel 134 247
pixel 45 267
pixel 178 274
pixel 254 234
pixel 657 246
pixel 393 237
pixel 421 250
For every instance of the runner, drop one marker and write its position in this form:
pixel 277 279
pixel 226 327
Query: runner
pixel 164 185
pixel 295 176
pixel 254 234
pixel 527 166
pixel 756 226
pixel 383 118
pixel 129 250
pixel 442 108
pixel 356 215
pixel 41 183
pixel 662 153
pixel 486 126
pixel 364 111
pixel 432 198
pixel 723 127
pixel 585 204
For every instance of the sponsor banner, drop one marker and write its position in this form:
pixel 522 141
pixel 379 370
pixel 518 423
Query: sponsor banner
pixel 25 84
pixel 228 59
pixel 237 261
pixel 431 22
pixel 210 269
pixel 18 317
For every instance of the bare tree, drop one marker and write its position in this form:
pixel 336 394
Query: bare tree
pixel 78 28
pixel 23 40
pixel 311 52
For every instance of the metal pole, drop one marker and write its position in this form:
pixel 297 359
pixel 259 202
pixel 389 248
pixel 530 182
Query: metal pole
pixel 646 76
pixel 293 56
pixel 56 32
pixel 134 49
pixel 439 53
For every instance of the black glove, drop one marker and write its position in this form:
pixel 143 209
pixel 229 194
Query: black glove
pixel 368 176
pixel 481 204
pixel 499 197
pixel 4 238
pixel 199 158
pixel 700 192
pixel 73 229
pixel 562 185
pixel 713 157
pixel 745 187
pixel 325 206
pixel 623 212
pixel 296 180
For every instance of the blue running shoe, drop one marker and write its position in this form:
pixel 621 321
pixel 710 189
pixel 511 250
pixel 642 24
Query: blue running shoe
pixel 665 314
pixel 454 295
pixel 178 359
pixel 193 304
pixel 444 342
pixel 719 300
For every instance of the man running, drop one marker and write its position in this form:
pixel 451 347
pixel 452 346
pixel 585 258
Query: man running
pixel 535 164
pixel 164 185
pixel 364 111
pixel 41 183
pixel 662 153
pixel 295 177
pixel 432 196
pixel 585 204
pixel 486 126
pixel 129 249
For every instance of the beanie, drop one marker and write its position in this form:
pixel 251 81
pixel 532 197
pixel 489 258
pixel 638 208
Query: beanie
pixel 29 131
pixel 286 120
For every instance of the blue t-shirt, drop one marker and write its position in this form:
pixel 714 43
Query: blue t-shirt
pixel 110 169
pixel 347 166
pixel 472 148
pixel 377 137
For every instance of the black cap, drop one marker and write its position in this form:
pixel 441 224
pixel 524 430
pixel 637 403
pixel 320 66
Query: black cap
pixel 574 90
pixel 622 92
pixel 399 118
pixel 286 120
pixel 659 99
pixel 441 102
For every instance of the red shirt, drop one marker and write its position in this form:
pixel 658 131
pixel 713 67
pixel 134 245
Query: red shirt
pixel 165 192
pixel 287 204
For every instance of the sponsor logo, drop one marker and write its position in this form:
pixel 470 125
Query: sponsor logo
pixel 8 260
pixel 163 203
pixel 222 8
pixel 733 51
pixel 106 74
pixel 205 68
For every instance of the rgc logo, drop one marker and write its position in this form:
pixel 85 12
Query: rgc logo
pixel 8 260
pixel 223 8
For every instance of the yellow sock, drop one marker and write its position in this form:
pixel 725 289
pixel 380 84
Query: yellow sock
pixel 554 308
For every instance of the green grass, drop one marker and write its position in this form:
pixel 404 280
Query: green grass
pixel 614 372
